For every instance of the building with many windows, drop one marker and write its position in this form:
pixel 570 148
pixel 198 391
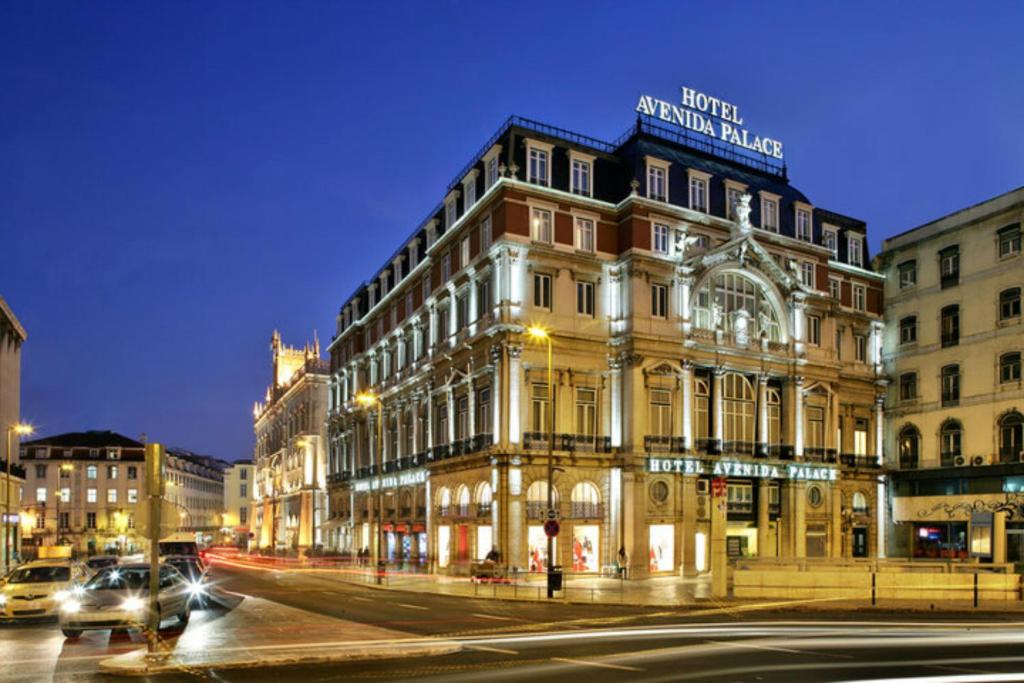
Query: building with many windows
pixel 194 485
pixel 955 409
pixel 84 489
pixel 12 337
pixel 707 321
pixel 290 454
pixel 238 493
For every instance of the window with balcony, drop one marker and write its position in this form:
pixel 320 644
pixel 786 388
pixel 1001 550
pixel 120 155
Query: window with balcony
pixel 949 266
pixel 950 379
pixel 660 415
pixel 909 447
pixel 950 325
pixel 701 413
pixel 462 418
pixel 739 498
pixel 483 410
pixel 950 442
pixel 539 407
pixel 586 412
pixel 908 329
pixel 1009 303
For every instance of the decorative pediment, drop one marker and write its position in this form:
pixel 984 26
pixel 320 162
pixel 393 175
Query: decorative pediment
pixel 663 368
pixel 746 251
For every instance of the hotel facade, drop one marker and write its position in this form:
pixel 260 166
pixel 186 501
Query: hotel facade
pixel 955 408
pixel 716 373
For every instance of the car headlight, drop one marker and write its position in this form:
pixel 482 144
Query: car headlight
pixel 78 591
pixel 196 588
pixel 61 595
pixel 133 604
pixel 3 600
pixel 70 606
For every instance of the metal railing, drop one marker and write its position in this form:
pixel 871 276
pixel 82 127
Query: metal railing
pixel 586 510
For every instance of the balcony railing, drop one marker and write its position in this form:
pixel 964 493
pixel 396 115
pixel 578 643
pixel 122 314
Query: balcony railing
pixel 948 459
pixel 864 461
pixel 818 454
pixel 738 447
pixel 444 510
pixel 586 510
pixel 741 507
pixel 1010 454
pixel 483 510
pixel 583 443
pixel 908 463
pixel 536 509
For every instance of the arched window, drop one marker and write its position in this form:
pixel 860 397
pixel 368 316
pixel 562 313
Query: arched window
pixel 537 499
pixel 951 385
pixel 462 499
pixel 860 503
pixel 728 292
pixel 774 417
pixel 484 494
pixel 701 401
pixel 950 440
pixel 1011 437
pixel 586 501
pixel 444 501
pixel 738 406
pixel 909 447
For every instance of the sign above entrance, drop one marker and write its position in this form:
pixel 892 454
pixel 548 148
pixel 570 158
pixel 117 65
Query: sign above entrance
pixel 700 113
pixel 390 481
pixel 724 467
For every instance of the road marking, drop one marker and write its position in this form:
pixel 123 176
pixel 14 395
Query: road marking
pixel 757 647
pixel 408 606
pixel 602 665
pixel 492 616
pixel 356 597
pixel 485 648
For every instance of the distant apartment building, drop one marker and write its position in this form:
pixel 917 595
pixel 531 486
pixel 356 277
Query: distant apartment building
pixel 12 336
pixel 84 489
pixel 195 486
pixel 955 405
pixel 238 492
pixel 290 454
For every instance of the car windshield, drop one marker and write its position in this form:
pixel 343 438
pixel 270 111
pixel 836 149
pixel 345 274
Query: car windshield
pixel 120 578
pixel 40 575
pixel 178 548
pixel 187 568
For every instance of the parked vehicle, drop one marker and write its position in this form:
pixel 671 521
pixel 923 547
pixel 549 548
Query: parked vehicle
pixel 98 562
pixel 194 571
pixel 36 589
pixel 118 598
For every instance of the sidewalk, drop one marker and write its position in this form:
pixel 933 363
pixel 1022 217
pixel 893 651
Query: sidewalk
pixel 259 632
pixel 693 594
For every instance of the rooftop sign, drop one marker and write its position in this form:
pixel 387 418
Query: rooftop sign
pixel 709 116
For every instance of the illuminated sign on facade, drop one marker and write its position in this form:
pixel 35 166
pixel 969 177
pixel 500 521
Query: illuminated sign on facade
pixel 710 116
pixel 735 468
pixel 390 481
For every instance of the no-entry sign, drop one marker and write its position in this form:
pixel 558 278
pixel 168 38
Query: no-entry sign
pixel 551 528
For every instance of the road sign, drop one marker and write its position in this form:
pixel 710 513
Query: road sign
pixel 551 528
pixel 552 514
pixel 719 487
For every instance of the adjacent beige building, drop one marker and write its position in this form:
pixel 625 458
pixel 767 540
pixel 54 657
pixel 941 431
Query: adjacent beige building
pixel 238 501
pixel 12 337
pixel 955 405
pixel 194 486
pixel 290 454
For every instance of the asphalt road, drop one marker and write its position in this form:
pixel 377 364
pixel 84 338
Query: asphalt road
pixel 508 641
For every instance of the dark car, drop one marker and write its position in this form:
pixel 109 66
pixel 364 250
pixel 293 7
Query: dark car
pixel 102 562
pixel 194 571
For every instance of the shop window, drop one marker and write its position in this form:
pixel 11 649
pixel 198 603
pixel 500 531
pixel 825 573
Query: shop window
pixel 661 548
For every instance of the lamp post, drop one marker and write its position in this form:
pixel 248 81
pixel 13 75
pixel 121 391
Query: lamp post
pixel 368 400
pixel 540 334
pixel 20 429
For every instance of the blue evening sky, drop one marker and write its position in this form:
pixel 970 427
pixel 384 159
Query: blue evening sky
pixel 179 179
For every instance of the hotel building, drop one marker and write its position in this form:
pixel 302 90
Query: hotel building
pixel 290 456
pixel 955 408
pixel 712 330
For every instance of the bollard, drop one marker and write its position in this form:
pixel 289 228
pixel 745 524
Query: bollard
pixel 975 589
pixel 873 596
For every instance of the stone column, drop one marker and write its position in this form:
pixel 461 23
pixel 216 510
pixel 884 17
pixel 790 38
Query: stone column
pixel 635 537
pixel 685 308
pixel 719 557
pixel 838 540
pixel 615 400
pixel 470 408
pixel 688 547
pixel 799 519
pixel 762 415
pixel 450 400
pixel 763 519
pixel 514 382
pixel 718 417
pixel 879 428
pixel 999 538
pixel 798 306
pixel 798 417
pixel 496 396
pixel 687 407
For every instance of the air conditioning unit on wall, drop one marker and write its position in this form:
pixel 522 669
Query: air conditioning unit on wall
pixel 960 461
pixel 979 460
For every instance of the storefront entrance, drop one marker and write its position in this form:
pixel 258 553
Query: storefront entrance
pixel 860 541
pixel 940 540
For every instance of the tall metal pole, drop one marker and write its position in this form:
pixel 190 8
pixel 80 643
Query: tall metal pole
pixel 8 542
pixel 155 484
pixel 551 455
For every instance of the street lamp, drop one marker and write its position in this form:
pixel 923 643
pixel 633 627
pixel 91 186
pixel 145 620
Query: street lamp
pixel 21 429
pixel 368 400
pixel 540 334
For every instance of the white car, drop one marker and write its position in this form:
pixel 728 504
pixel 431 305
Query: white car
pixel 36 589
pixel 118 598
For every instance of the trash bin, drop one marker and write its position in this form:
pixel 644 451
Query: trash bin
pixel 382 569
pixel 555 578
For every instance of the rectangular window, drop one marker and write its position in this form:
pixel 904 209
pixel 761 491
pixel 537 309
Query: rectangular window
pixel 949 266
pixel 1009 241
pixel 468 194
pixel 586 412
pixel 539 403
pixel 111 495
pixel 814 330
pixel 90 520
pixel 483 298
pixel 660 413
pixel 861 346
pixel 133 495
pixel 91 472
pixel 732 198
pixel 542 290
pixel 462 311
pixel 133 472
pixel 243 515
pixel 41 472
pixel 1009 303
pixel 581 177
pixel 834 288
pixel 699 194
pixel 541 225
pixel 65 495
pixel 450 216
pixel 830 240
pixel 485 233
pixel 111 471
pixel 859 297
pixel 462 418
pixel 446 269
pixel 90 495
pixel 908 386
pixel 585 298
pixel 659 301
pixel 807 274
pixel 659 238
pixel 408 303
pixel 803 225
pixel 769 214
pixel 908 274
pixel 443 327
pixel 464 252
pixel 65 520
pixel 656 183
pixel 908 329
pixel 491 171
pixel 483 411
pixel 950 385
pixel 950 325
pixel 1009 367
pixel 585 234
pixel 855 251
pixel 537 169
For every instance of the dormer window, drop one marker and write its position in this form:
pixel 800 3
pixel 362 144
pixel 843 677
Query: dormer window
pixel 538 163
pixel 491 164
pixel 451 211
pixel 581 168
pixel 431 231
pixel 803 224
pixel 855 250
pixel 698 190
pixel 469 191
pixel 769 212
pixel 830 240
pixel 657 179
pixel 733 192
pixel 414 254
